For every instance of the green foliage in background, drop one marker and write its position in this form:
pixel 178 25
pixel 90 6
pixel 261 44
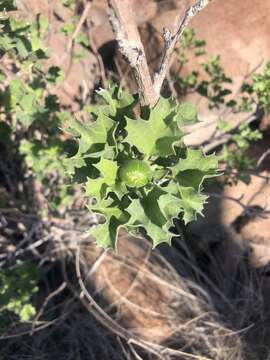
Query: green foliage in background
pixel 17 286
pixel 33 113
pixel 234 154
pixel 22 40
pixel 261 87
pixel 215 87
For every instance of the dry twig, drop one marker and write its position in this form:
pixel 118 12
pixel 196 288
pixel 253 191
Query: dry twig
pixel 71 44
pixel 83 18
pixel 171 41
pixel 124 25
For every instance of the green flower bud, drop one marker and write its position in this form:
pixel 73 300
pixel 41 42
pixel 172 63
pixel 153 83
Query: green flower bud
pixel 135 173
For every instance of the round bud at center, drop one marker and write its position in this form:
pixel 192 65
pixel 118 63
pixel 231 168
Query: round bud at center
pixel 135 173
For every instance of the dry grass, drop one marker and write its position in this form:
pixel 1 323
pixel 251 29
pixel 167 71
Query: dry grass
pixel 146 301
pixel 137 304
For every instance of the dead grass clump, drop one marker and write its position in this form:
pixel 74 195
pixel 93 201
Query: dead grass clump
pixel 141 297
pixel 138 303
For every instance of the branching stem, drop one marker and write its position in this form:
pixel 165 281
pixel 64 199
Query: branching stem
pixel 124 25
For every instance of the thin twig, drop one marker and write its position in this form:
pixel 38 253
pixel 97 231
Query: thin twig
pixel 221 138
pixel 48 298
pixel 94 48
pixel 80 24
pixel 262 158
pixel 172 40
pixel 71 44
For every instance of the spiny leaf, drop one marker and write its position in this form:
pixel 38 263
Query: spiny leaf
pixel 192 203
pixel 135 156
pixel 82 160
pixel 160 134
pixel 196 167
pixel 98 187
pixel 72 163
pixel 140 219
pixel 146 213
pixel 120 103
pixel 186 114
pixel 107 208
pixel 106 234
pixel 96 133
pixel 171 206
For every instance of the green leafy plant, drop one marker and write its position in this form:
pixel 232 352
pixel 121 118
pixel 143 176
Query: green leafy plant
pixel 190 46
pixel 214 88
pixel 261 87
pixel 255 92
pixel 17 286
pixel 47 159
pixel 28 108
pixel 214 84
pixel 21 39
pixel 138 170
pixel 234 155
